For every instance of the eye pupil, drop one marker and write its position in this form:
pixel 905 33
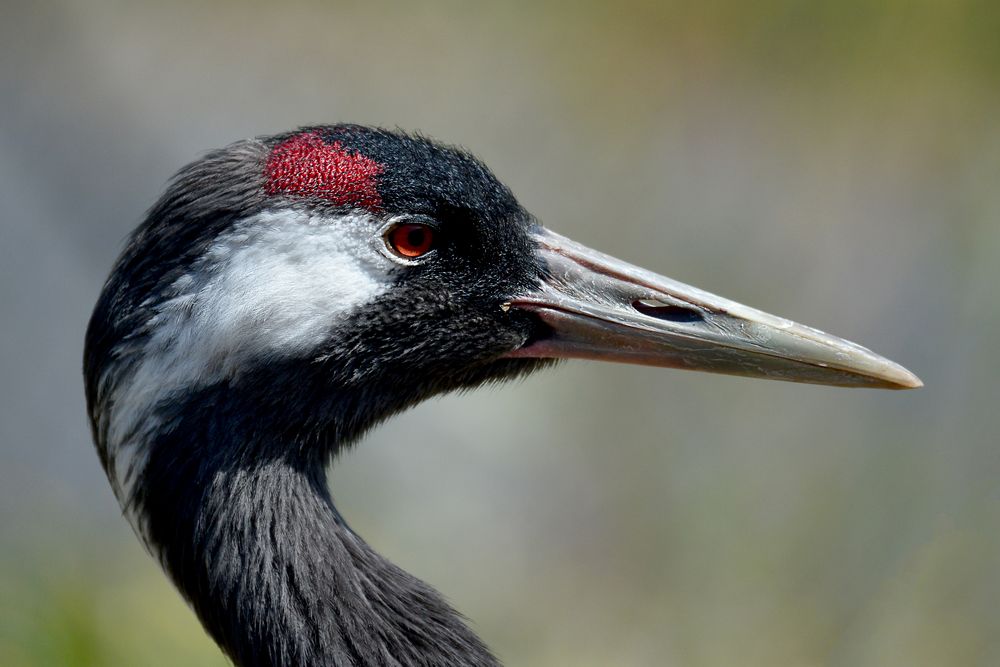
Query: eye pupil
pixel 410 240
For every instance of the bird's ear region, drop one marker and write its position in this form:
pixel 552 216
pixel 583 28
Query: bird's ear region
pixel 306 165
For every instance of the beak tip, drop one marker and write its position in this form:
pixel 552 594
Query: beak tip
pixel 900 378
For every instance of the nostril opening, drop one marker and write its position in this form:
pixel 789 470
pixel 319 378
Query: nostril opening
pixel 667 311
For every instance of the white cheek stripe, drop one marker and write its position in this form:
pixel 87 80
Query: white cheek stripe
pixel 273 287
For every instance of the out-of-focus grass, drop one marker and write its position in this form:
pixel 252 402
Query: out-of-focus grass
pixel 66 611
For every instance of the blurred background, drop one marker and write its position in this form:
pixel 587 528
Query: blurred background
pixel 835 162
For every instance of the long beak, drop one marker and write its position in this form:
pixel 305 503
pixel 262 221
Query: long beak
pixel 598 307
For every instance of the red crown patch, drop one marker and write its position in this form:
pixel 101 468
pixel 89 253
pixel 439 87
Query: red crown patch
pixel 306 165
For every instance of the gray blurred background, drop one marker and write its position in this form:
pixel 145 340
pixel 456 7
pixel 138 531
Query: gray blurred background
pixel 835 162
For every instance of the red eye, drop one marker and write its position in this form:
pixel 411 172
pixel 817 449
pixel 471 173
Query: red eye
pixel 410 240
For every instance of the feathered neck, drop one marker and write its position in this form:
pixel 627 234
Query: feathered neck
pixel 246 527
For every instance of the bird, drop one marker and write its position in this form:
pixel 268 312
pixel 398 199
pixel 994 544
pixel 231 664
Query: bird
pixel 288 293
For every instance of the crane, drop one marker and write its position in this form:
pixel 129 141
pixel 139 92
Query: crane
pixel 288 293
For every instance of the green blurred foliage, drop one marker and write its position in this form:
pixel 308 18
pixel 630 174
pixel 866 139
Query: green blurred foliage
pixel 91 615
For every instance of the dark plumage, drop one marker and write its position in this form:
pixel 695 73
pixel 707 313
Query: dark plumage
pixel 258 321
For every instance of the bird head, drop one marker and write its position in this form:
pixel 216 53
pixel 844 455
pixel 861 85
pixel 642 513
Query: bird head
pixel 333 275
